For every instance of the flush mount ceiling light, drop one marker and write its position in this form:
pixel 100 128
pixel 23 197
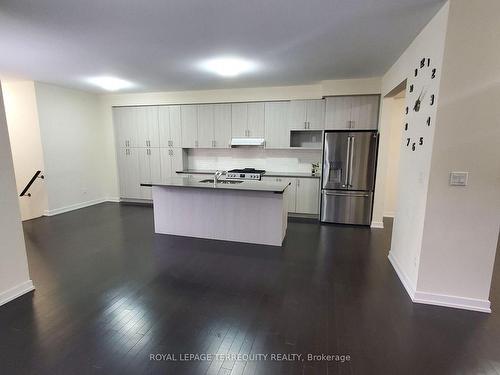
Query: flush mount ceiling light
pixel 109 83
pixel 228 66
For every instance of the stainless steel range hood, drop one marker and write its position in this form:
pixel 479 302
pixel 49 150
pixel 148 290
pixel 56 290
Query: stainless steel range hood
pixel 248 142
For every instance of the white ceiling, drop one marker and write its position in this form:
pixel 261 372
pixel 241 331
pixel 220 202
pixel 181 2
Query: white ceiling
pixel 157 43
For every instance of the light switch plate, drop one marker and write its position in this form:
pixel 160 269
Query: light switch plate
pixel 459 178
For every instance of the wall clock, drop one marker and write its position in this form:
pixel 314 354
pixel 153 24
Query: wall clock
pixel 421 101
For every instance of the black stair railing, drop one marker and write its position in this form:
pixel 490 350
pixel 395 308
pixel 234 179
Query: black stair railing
pixel 27 187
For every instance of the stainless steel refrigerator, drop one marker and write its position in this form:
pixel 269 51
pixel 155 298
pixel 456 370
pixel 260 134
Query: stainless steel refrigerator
pixel 348 178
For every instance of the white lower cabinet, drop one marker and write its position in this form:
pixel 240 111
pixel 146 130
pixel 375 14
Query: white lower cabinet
pixel 149 169
pixel 171 162
pixel 307 196
pixel 129 175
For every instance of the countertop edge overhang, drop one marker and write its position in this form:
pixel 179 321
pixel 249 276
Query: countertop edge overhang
pixel 244 186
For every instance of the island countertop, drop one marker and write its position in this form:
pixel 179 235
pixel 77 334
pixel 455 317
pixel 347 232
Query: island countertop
pixel 181 182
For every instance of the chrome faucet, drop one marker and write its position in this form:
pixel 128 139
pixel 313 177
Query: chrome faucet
pixel 218 174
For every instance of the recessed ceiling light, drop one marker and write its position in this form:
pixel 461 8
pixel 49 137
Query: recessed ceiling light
pixel 228 66
pixel 110 83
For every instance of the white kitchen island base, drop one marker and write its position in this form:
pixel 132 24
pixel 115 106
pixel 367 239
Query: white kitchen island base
pixel 250 216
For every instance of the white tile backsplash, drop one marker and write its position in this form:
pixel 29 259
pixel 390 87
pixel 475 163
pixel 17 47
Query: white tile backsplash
pixel 270 160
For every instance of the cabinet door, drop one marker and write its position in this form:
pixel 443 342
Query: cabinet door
pixel 315 114
pixel 292 192
pixel 122 154
pixel 206 125
pixel 175 125
pixel 164 125
pixel 155 164
pixel 177 161
pixel 189 123
pixel 133 174
pixel 146 121
pixel 307 201
pixel 165 163
pixel 125 119
pixel 255 123
pixel 144 172
pixel 298 114
pixel 277 128
pixel 364 112
pixel 119 115
pixel 239 114
pixel 222 125
pixel 338 112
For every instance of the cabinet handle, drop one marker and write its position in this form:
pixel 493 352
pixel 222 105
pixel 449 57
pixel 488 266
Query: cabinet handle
pixel 298 182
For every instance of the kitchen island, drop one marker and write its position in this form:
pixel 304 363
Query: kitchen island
pixel 242 211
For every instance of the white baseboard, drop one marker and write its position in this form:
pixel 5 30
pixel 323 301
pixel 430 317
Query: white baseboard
pixel 389 214
pixel 16 291
pixel 443 300
pixel 408 285
pixel 113 199
pixel 72 207
pixel 377 224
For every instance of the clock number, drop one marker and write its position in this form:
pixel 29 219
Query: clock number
pixel 407 142
pixel 428 62
pixel 416 72
pixel 406 126
pixel 411 88
pixel 421 141
pixel 413 146
pixel 406 110
pixel 433 73
pixel 432 99
pixel 429 121
pixel 422 62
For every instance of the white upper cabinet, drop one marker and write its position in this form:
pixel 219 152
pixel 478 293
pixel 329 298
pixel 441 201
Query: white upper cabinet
pixel 222 125
pixel 205 126
pixel 298 114
pixel 307 114
pixel 239 113
pixel 189 124
pixel 338 112
pixel 277 124
pixel 169 119
pixel 125 126
pixel 352 112
pixel 315 114
pixel 247 120
pixel 364 111
pixel 146 122
pixel 256 120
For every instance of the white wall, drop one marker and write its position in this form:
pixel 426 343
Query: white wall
pixel 414 167
pixel 74 147
pixel 316 91
pixel 462 223
pixel 14 276
pixel 391 180
pixel 26 145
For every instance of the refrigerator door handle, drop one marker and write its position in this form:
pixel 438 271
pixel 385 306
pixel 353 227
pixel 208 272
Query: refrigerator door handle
pixel 351 157
pixel 346 194
pixel 346 182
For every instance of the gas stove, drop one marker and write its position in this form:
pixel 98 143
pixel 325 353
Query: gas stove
pixel 245 174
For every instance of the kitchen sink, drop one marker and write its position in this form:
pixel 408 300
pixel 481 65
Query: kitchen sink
pixel 211 181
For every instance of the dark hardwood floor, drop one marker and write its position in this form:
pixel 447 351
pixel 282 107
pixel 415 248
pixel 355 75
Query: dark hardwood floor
pixel 110 293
